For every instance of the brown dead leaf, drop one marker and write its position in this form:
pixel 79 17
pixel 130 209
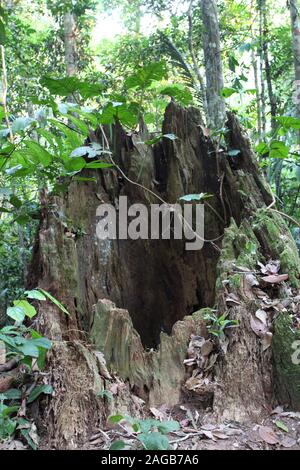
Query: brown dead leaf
pixel 259 328
pixel 272 267
pixel 277 411
pixel 262 316
pixel 266 341
pixel 251 279
pixel 260 294
pixel 207 348
pixel 268 435
pixel 208 434
pixel 220 435
pixel 275 278
pixel 158 414
pixel 288 442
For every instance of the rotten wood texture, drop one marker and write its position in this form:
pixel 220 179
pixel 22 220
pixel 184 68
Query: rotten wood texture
pixel 154 284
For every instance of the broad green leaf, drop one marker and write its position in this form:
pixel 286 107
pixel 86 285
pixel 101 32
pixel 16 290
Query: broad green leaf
pixel 79 124
pixel 26 434
pixel 75 164
pixel 144 77
pixel 167 426
pixel 13 394
pixel 37 391
pixel 74 139
pixel 262 148
pixel 39 153
pixel 70 85
pixel 289 122
pixel 44 343
pixel 29 349
pixel 278 149
pixel 9 410
pixel 127 114
pixel 16 313
pixel 115 418
pixel 15 201
pixel 35 294
pixel 227 92
pixel 154 441
pixel 29 310
pixel 180 93
pixel 117 445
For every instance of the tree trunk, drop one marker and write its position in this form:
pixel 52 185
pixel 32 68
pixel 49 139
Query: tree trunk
pixel 134 301
pixel 194 60
pixel 295 24
pixel 213 64
pixel 261 67
pixel 272 97
pixel 70 43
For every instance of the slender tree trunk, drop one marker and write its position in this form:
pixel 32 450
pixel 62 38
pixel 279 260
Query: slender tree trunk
pixel 70 43
pixel 254 60
pixel 194 59
pixel 213 64
pixel 261 69
pixel 271 95
pixel 295 24
pixel 257 88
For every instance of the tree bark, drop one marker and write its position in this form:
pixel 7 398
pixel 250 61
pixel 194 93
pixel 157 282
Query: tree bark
pixel 295 25
pixel 213 64
pixel 261 68
pixel 272 97
pixel 194 60
pixel 70 43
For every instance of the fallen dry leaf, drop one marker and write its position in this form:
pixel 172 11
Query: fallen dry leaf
pixel 220 435
pixel 288 442
pixel 266 341
pixel 275 278
pixel 259 328
pixel 251 279
pixel 207 348
pixel 158 414
pixel 268 435
pixel 272 267
pixel 262 316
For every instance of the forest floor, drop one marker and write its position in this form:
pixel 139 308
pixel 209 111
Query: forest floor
pixel 278 431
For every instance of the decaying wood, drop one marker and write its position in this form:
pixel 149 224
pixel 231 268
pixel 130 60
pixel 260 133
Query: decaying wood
pixel 133 300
